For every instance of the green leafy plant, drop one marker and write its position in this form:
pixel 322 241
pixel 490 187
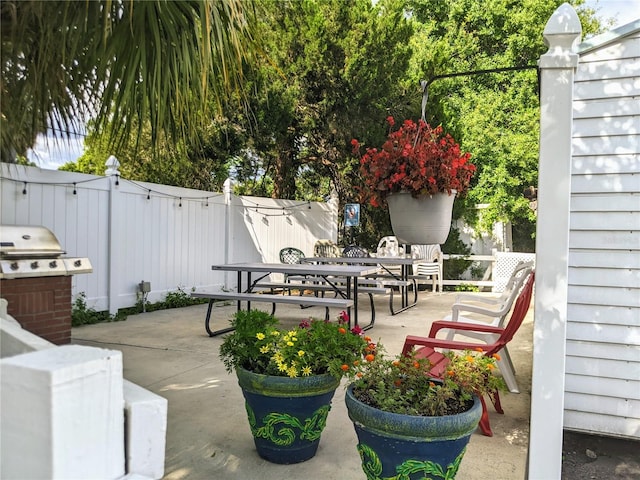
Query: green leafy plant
pixel 180 298
pixel 83 315
pixel 176 299
pixel 455 267
pixel 403 384
pixel 415 158
pixel 311 348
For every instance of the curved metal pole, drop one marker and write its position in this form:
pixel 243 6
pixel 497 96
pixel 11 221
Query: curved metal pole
pixel 425 83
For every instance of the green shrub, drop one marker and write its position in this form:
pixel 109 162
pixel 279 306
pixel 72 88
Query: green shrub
pixel 176 299
pixel 81 315
pixel 454 268
pixel 180 298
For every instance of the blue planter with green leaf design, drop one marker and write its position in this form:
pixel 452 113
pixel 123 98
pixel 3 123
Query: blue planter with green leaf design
pixel 287 415
pixel 394 446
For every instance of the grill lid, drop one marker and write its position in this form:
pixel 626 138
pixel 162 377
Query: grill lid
pixel 28 241
pixel 34 251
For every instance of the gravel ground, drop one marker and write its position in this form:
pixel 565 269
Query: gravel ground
pixel 596 457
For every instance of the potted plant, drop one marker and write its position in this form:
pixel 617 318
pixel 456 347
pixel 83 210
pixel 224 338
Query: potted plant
pixel 412 426
pixel 288 377
pixel 418 171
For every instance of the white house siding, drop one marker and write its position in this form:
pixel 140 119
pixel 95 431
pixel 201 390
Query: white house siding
pixel 602 384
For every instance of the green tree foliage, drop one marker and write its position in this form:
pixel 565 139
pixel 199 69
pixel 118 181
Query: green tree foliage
pixel 494 116
pixel 335 72
pixel 161 161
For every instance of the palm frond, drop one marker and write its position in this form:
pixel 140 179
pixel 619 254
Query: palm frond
pixel 123 62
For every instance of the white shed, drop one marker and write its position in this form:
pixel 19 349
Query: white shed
pixel 602 372
pixel 586 339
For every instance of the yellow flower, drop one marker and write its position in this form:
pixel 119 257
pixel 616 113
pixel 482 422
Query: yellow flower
pixel 260 336
pixel 469 359
pixel 290 344
pixel 282 367
pixel 275 333
pixel 292 333
pixel 292 372
pixel 306 371
pixel 300 353
pixel 264 349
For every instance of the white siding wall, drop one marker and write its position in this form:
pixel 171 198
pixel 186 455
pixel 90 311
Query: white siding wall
pixel 170 239
pixel 602 390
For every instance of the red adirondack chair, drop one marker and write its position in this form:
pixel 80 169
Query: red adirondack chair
pixel 426 345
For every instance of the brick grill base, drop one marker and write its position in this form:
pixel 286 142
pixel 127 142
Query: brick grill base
pixel 42 305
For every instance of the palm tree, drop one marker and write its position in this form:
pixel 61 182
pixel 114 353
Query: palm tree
pixel 121 62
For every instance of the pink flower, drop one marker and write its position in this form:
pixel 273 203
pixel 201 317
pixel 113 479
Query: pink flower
pixel 356 330
pixel 343 317
pixel 305 324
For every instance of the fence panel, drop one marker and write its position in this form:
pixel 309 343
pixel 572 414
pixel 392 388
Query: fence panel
pixel 168 236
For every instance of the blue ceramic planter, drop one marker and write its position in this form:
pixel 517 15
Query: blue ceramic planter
pixel 394 446
pixel 287 415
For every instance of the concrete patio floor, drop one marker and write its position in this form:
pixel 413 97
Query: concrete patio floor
pixel 169 353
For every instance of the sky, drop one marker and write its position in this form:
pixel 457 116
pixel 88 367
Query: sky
pixel 50 153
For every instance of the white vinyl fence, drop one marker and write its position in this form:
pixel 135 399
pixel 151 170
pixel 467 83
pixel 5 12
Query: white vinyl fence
pixel 168 236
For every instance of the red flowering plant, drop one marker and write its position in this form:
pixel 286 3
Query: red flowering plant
pixel 259 344
pixel 415 158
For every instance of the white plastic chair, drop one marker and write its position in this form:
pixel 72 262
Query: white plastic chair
pixel 493 311
pixel 428 264
pixel 388 247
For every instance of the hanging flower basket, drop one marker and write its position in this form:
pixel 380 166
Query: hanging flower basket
pixel 420 162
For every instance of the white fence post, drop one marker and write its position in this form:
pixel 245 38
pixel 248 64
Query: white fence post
pixel 557 70
pixel 112 171
pixel 227 188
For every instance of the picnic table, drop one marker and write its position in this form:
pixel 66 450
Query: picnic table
pixel 389 277
pixel 252 275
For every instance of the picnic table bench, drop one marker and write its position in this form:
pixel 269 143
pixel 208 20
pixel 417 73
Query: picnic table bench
pixel 344 303
pixel 323 286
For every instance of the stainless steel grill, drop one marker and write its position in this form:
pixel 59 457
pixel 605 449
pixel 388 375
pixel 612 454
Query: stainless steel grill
pixel 34 251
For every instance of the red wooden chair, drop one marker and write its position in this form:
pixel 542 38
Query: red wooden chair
pixel 427 345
